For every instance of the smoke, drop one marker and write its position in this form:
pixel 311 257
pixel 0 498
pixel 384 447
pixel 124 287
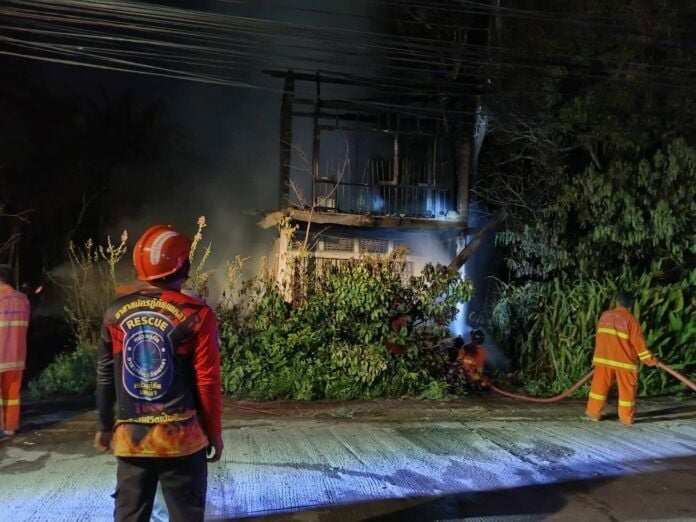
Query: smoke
pixel 235 134
pixel 226 203
pixel 479 268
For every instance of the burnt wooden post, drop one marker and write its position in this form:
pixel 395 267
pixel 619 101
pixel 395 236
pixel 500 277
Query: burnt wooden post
pixel 470 249
pixel 463 178
pixel 433 176
pixel 316 143
pixel 395 165
pixel 286 140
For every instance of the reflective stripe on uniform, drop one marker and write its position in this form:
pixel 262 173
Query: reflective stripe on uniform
pixel 14 323
pixel 16 365
pixel 627 404
pixel 615 364
pixel 611 331
pixel 9 402
pixel 644 355
pixel 598 396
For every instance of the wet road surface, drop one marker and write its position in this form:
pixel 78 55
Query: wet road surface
pixel 474 459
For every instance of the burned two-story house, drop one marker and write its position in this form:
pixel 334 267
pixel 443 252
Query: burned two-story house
pixel 366 174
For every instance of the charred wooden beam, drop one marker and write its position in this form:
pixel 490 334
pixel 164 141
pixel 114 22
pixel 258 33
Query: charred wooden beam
pixel 286 141
pixel 360 220
pixel 372 123
pixel 463 178
pixel 316 140
pixel 369 107
pixel 429 87
pixel 470 249
pixel 395 160
pixel 355 128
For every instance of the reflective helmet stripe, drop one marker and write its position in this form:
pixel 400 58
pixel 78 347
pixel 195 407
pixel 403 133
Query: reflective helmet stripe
pixel 157 243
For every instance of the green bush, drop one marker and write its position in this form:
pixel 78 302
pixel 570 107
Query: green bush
pixel 600 220
pixel 334 344
pixel 435 390
pixel 72 373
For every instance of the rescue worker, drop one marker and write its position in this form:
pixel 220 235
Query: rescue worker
pixel 159 362
pixel 159 506
pixel 14 322
pixel 619 345
pixel 471 359
pixel 454 370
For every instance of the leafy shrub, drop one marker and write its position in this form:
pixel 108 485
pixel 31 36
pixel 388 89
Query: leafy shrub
pixel 72 373
pixel 334 343
pixel 435 390
pixel 603 219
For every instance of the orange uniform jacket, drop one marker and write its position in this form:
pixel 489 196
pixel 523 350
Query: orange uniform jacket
pixel 14 321
pixel 472 359
pixel 619 341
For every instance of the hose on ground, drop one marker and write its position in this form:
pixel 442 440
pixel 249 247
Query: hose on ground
pixel 544 399
pixel 266 412
pixel 662 366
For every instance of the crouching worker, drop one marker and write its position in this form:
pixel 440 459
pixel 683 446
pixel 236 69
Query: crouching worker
pixel 471 359
pixel 159 362
pixel 453 370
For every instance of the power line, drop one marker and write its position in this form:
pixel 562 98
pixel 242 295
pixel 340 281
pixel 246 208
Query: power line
pixel 403 62
pixel 418 62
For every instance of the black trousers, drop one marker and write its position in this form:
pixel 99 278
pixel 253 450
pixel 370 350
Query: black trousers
pixel 184 483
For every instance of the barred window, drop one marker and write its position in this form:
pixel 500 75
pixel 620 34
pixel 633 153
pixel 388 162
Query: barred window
pixel 338 244
pixel 323 263
pixel 373 246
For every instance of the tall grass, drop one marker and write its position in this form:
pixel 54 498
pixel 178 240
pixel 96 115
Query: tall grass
pixel 548 328
pixel 668 316
pixel 91 286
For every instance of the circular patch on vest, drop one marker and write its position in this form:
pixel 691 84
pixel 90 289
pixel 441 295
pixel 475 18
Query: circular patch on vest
pixel 148 367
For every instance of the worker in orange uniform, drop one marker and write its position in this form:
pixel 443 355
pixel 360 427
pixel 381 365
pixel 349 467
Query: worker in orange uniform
pixel 159 362
pixel 619 345
pixel 14 321
pixel 471 359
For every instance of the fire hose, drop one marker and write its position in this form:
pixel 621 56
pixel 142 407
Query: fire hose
pixel 266 412
pixel 674 373
pixel 662 366
pixel 544 399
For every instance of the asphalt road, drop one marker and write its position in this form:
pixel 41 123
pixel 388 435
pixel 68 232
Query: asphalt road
pixel 475 459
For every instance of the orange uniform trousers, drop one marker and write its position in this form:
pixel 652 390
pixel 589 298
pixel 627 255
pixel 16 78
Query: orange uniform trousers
pixel 627 382
pixel 10 384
